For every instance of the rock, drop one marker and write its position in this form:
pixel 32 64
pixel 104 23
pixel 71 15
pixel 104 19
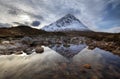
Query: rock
pixel 28 51
pixel 64 65
pixel 58 42
pixel 87 66
pixel 17 52
pixel 2 53
pixel 94 77
pixel 27 40
pixel 7 52
pixel 117 50
pixel 74 40
pixel 39 49
pixel 66 45
pixel 83 71
pixel 46 43
pixel 91 47
pixel 36 43
pixel 5 42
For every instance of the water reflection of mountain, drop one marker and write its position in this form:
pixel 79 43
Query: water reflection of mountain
pixel 68 50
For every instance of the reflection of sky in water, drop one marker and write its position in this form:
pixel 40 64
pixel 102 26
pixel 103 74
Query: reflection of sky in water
pixel 97 56
pixel 104 65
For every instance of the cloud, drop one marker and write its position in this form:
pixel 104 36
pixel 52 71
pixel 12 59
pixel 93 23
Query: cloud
pixel 114 30
pixel 6 25
pixel 90 12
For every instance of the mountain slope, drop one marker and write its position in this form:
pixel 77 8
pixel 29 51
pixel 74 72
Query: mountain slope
pixel 66 23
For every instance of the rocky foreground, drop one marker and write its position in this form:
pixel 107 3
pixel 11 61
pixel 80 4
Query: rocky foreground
pixel 33 44
pixel 24 39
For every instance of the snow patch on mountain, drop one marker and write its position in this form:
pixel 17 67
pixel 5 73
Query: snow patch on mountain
pixel 67 23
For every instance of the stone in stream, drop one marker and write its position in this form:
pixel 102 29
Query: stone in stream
pixel 18 52
pixel 39 49
pixel 2 53
pixel 36 43
pixel 91 47
pixel 28 51
pixel 5 42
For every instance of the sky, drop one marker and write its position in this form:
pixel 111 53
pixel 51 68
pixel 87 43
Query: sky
pixel 97 15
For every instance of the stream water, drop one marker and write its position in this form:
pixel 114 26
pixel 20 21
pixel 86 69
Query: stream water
pixel 61 62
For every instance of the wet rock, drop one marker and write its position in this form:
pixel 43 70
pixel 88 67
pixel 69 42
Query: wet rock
pixel 87 66
pixel 66 45
pixel 2 47
pixel 2 53
pixel 46 43
pixel 18 52
pixel 5 42
pixel 58 45
pixel 74 40
pixel 28 51
pixel 117 50
pixel 94 77
pixel 8 52
pixel 39 49
pixel 36 43
pixel 83 71
pixel 91 47
pixel 58 42
pixel 27 40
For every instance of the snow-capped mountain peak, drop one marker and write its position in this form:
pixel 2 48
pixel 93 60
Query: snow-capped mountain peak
pixel 66 23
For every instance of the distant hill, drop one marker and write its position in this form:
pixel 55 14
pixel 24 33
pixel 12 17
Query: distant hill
pixel 23 30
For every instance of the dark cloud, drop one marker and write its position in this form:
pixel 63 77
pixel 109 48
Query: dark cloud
pixel 35 23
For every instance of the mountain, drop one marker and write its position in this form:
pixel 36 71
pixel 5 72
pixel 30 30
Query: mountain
pixel 23 30
pixel 66 23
